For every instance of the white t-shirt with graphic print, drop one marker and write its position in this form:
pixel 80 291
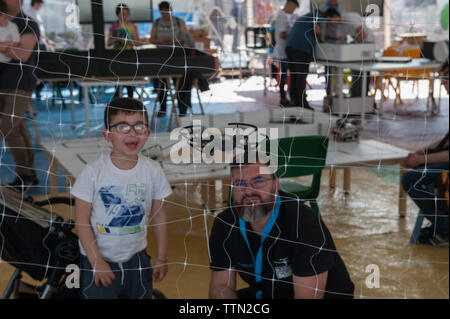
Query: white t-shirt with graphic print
pixel 121 203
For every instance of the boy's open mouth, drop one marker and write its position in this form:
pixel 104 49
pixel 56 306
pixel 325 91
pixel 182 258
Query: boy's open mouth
pixel 132 145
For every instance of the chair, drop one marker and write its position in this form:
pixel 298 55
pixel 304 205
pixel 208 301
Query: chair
pixel 403 75
pixel 301 156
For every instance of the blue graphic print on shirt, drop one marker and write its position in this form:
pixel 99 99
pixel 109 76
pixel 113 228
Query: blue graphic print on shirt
pixel 124 208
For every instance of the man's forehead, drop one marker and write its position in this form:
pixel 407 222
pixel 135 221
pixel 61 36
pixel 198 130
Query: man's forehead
pixel 252 170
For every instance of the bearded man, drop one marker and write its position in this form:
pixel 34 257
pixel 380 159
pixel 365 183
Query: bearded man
pixel 279 246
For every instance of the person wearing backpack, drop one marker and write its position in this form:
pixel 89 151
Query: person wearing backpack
pixel 427 166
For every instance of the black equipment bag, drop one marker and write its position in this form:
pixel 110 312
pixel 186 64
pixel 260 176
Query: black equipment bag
pixel 33 239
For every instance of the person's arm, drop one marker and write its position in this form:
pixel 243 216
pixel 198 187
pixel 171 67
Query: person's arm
pixel 110 40
pixel 103 274
pixel 361 34
pixel 222 284
pixel 136 41
pixel 415 160
pixel 159 219
pixel 312 287
pixel 431 146
pixel 22 51
pixel 318 32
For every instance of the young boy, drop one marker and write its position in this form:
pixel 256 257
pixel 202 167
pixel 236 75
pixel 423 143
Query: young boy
pixel 9 33
pixel 114 196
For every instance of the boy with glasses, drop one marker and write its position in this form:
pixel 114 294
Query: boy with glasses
pixel 115 198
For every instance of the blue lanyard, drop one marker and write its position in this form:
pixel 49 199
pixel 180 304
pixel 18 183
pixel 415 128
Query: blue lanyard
pixel 269 225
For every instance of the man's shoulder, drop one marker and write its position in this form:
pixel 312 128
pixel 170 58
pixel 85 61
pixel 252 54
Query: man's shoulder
pixel 227 218
pixel 294 209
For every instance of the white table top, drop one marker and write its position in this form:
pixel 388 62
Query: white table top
pixel 385 66
pixel 74 154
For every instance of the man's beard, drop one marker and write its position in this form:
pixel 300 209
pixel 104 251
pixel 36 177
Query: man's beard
pixel 255 212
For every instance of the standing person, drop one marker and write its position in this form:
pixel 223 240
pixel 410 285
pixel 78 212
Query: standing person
pixel 170 30
pixel 350 24
pixel 8 33
pixel 116 196
pixel 282 27
pixel 300 43
pixel 45 44
pixel 123 35
pixel 279 246
pixel 426 165
pixel 219 21
pixel 237 12
pixel 17 83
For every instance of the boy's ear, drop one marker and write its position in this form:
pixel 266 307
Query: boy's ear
pixel 107 134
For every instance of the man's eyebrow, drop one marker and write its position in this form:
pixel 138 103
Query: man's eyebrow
pixel 124 122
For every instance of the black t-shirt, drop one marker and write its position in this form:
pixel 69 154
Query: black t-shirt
pixel 298 244
pixel 441 146
pixel 13 76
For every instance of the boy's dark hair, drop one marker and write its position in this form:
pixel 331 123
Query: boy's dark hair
pixel 3 7
pixel 124 105
pixel 331 12
pixel 294 1
pixel 33 2
pixel 120 7
pixel 164 6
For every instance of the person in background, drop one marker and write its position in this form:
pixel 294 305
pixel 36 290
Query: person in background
pixel 350 24
pixel 172 31
pixel 9 33
pixel 333 4
pixel 45 44
pixel 282 27
pixel 123 35
pixel 17 83
pixel 300 44
pixel 238 12
pixel 426 166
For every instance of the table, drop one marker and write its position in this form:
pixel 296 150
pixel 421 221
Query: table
pixel 380 68
pixel 72 156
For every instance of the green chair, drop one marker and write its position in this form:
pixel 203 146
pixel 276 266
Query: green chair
pixel 301 156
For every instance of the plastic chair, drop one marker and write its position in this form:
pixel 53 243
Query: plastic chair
pixel 403 75
pixel 301 156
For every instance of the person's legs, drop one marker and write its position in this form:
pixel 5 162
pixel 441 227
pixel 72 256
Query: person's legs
pixel 293 68
pixel 130 91
pixel 419 185
pixel 162 96
pixel 87 284
pixel 304 60
pixel 357 81
pixel 184 94
pixel 15 130
pixel 118 92
pixel 283 78
pixel 39 87
pixel 138 277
